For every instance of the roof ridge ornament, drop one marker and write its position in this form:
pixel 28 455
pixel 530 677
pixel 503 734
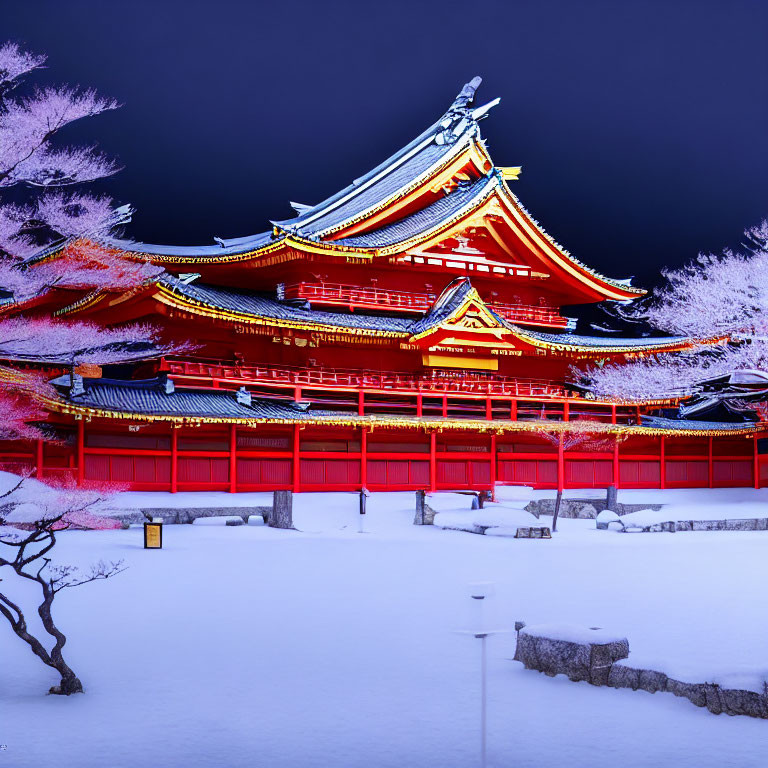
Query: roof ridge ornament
pixel 460 115
pixel 480 112
pixel 466 94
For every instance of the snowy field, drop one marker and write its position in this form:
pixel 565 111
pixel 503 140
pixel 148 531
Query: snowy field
pixel 248 646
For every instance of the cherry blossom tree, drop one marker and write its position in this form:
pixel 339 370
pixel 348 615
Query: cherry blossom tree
pixel 52 236
pixel 719 303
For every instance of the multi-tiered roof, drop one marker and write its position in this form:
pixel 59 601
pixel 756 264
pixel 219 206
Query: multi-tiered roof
pixel 426 269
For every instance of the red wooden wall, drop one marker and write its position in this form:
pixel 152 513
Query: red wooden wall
pixel 224 458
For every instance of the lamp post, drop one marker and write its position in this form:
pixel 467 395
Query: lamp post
pixel 479 592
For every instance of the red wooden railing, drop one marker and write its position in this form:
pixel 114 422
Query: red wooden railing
pixel 358 296
pixel 373 297
pixel 527 315
pixel 438 382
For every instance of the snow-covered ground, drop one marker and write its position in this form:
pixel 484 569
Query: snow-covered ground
pixel 247 646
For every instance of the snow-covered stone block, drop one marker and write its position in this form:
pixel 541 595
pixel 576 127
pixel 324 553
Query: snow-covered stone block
pixel 577 652
pixel 605 518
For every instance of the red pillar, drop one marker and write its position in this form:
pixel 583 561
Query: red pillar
pixel 419 405
pixel 566 411
pixel 232 458
pixel 756 463
pixel 445 406
pixel 663 463
pixel 613 414
pixel 297 394
pixel 364 457
pixel 488 408
pixel 39 460
pixel 561 463
pixel 710 466
pixel 174 458
pixel 296 464
pixel 361 403
pixel 432 461
pixel 80 452
pixel 616 462
pixel 513 410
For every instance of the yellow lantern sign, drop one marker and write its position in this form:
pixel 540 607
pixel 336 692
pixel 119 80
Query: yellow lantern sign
pixel 153 535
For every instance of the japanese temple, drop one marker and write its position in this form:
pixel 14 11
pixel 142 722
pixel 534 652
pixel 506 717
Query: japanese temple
pixel 406 333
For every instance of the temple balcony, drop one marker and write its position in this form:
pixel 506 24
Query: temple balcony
pixel 441 382
pixel 359 297
pixel 531 315
pixel 437 393
pixel 354 297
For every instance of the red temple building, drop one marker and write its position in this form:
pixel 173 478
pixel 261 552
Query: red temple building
pixel 406 333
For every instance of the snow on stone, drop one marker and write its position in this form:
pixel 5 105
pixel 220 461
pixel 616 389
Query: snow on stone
pixel 492 517
pixel 219 520
pixel 572 633
pixel 686 503
pixel 643 518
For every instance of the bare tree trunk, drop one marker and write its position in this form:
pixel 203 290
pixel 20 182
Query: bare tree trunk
pixel 557 510
pixel 282 510
pixel 70 683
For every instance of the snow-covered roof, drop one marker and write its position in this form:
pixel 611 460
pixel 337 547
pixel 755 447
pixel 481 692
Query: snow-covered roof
pixel 442 140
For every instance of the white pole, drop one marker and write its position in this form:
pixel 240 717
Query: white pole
pixel 479 591
pixel 483 698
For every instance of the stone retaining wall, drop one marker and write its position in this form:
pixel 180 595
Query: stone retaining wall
pixel 594 656
pixel 672 526
pixel 582 508
pixel 171 515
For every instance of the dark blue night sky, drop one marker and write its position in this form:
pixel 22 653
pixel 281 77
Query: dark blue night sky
pixel 641 126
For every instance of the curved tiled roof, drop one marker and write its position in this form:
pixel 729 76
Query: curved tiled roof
pixel 447 303
pixel 657 422
pixel 600 342
pixel 265 306
pixel 220 248
pixel 149 399
pixel 426 219
pixel 455 129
